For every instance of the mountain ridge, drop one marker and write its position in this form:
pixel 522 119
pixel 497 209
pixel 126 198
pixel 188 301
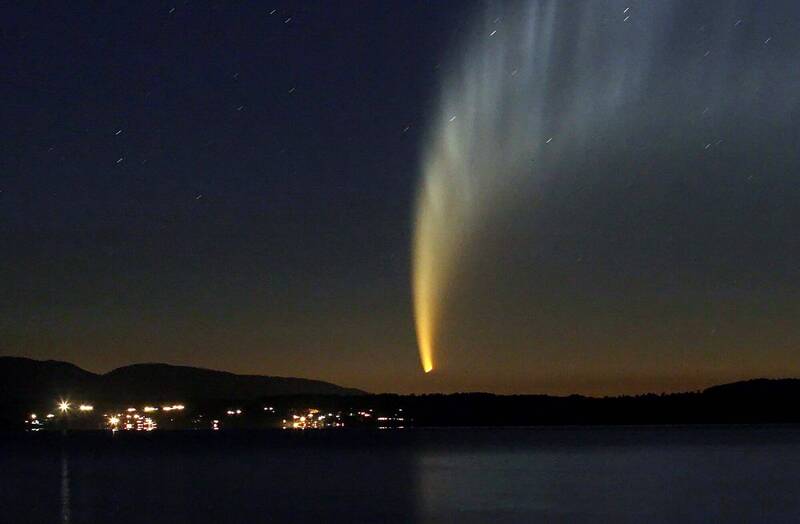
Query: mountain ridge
pixel 132 373
pixel 27 385
pixel 26 379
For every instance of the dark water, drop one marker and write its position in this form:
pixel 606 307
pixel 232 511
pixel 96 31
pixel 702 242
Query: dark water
pixel 663 474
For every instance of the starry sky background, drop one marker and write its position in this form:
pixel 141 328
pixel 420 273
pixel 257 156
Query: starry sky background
pixel 232 186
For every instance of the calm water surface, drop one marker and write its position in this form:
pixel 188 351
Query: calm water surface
pixel 655 474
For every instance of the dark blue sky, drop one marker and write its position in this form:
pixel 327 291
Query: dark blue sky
pixel 230 186
pixel 217 185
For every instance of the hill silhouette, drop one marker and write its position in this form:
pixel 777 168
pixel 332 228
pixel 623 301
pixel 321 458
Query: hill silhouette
pixel 28 381
pixel 760 388
pixel 26 384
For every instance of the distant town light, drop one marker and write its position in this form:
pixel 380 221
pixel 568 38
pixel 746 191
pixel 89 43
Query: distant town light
pixel 50 415
pixel 86 407
pixel 64 406
pixel 33 416
pixel 131 410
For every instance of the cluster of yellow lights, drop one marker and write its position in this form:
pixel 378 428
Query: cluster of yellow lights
pixel 114 421
pixel 131 422
pixel 313 419
pixel 64 406
pixel 34 416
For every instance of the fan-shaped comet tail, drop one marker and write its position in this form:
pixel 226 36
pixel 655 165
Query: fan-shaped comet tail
pixel 540 87
pixel 504 104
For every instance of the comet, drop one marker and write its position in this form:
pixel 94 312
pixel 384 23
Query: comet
pixel 492 119
pixel 532 90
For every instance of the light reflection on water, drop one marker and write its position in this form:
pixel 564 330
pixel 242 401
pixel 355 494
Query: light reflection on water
pixel 697 483
pixel 64 488
pixel 466 475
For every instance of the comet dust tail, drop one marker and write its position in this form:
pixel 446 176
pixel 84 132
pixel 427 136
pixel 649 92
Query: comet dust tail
pixel 541 92
pixel 546 106
pixel 492 118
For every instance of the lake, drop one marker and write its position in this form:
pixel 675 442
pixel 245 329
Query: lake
pixel 497 475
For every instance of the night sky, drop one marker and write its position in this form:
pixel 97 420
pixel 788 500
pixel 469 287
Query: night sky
pixel 233 186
